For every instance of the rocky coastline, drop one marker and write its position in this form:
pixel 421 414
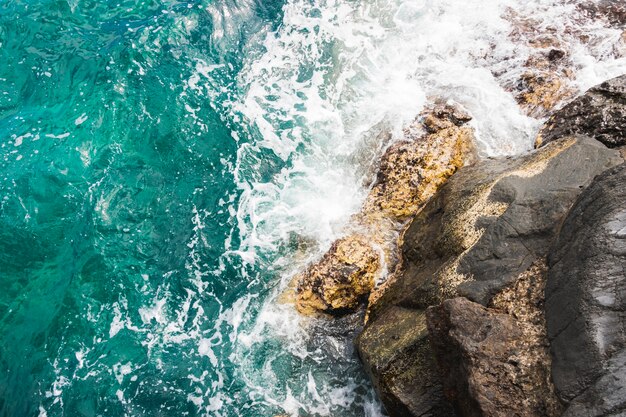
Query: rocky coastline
pixel 505 283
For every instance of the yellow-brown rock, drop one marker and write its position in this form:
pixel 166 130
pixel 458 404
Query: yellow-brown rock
pixel 410 173
pixel 344 275
pixel 540 91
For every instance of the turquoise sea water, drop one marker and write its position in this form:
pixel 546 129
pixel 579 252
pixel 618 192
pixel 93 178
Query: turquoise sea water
pixel 166 167
pixel 122 288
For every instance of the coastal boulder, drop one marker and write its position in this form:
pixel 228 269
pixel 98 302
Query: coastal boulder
pixel 586 301
pixel 599 113
pixel 391 347
pixel 495 361
pixel 482 232
pixel 410 173
pixel 344 275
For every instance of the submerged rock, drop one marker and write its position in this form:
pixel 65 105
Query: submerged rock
pixel 539 91
pixel 410 173
pixel 599 113
pixel 614 12
pixel 586 301
pixel 481 234
pixel 548 75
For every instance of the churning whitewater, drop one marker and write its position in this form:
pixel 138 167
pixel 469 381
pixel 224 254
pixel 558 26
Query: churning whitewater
pixel 167 168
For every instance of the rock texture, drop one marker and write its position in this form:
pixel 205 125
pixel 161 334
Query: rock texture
pixel 614 12
pixel 344 275
pixel 495 361
pixel 540 90
pixel 410 173
pixel 586 301
pixel 391 348
pixel 484 230
pixel 599 113
pixel 490 222
pixel 547 76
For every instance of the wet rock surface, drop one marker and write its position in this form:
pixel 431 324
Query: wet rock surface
pixel 490 222
pixel 586 301
pixel 546 76
pixel 478 238
pixel 599 113
pixel 411 171
pixel 344 275
pixel 540 90
pixel 549 72
pixel 391 347
pixel 614 12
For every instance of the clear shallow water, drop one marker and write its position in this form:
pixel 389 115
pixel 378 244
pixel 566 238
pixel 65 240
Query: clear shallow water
pixel 165 168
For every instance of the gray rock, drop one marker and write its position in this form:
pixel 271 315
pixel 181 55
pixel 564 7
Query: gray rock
pixel 586 300
pixel 478 235
pixel 491 222
pixel 402 366
pixel 599 113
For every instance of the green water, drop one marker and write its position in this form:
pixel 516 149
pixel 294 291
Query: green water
pixel 167 167
pixel 121 289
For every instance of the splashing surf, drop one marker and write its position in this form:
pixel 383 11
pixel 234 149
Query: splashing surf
pixel 161 197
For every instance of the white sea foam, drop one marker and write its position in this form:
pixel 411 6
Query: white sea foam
pixel 327 83
pixel 309 108
pixel 336 74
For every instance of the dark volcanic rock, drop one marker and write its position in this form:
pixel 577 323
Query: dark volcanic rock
pixel 491 222
pixel 480 233
pixel 586 300
pixel 392 347
pixel 599 113
pixel 491 362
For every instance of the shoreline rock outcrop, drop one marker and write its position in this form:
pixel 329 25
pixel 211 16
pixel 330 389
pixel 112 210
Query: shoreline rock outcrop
pixel 411 171
pixel 586 301
pixel 599 113
pixel 507 280
pixel 476 238
pixel 464 325
pixel 490 222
